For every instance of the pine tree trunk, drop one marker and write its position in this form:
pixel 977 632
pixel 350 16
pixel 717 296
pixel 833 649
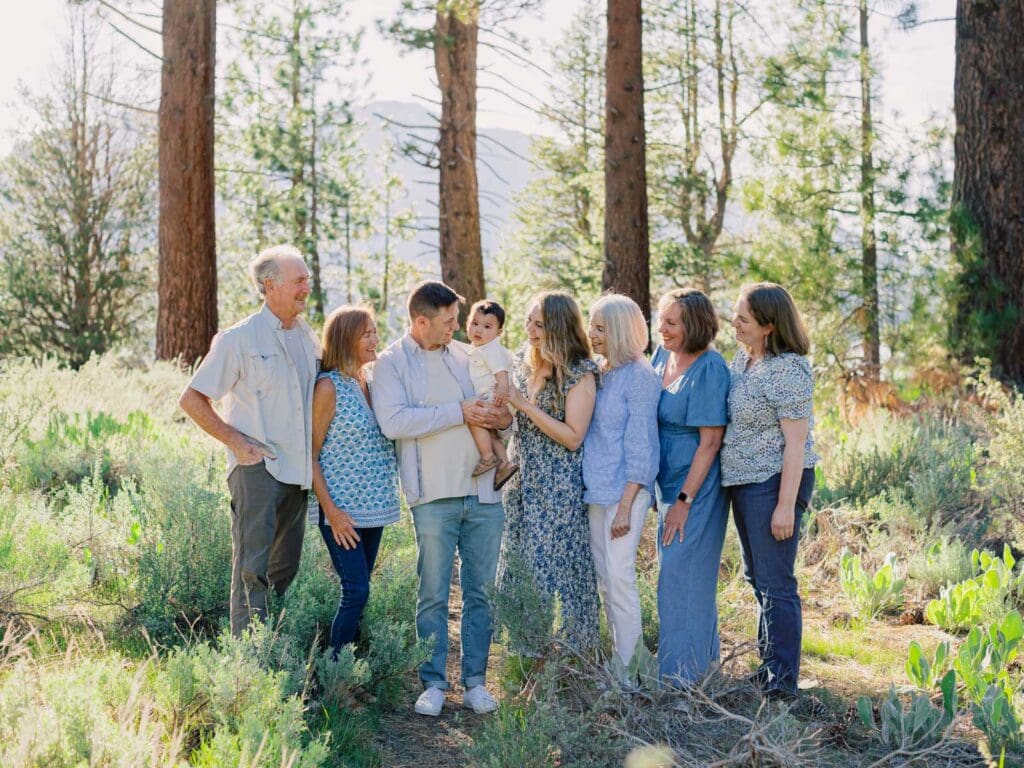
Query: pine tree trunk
pixel 187 307
pixel 869 243
pixel 988 183
pixel 626 252
pixel 462 265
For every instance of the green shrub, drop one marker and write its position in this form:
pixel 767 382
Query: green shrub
pixel 240 702
pixel 184 571
pixel 929 460
pixel 870 595
pixel 925 672
pixel 518 734
pixel 917 725
pixel 982 598
pixel 392 654
pixel 73 444
pixel 41 573
pixel 394 584
pixel 306 610
pixel 985 665
pixel 946 561
pixel 521 610
pixel 1002 477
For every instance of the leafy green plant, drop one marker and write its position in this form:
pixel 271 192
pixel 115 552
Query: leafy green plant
pixel 73 443
pixel 984 657
pixel 870 594
pixel 979 599
pixel 997 717
pixel 925 672
pixel 917 725
pixel 945 561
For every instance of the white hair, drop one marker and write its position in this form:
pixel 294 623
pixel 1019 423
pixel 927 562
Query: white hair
pixel 267 265
pixel 625 329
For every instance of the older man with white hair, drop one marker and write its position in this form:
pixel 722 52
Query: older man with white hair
pixel 262 371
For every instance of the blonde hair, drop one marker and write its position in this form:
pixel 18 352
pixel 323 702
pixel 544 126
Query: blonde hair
pixel 340 341
pixel 565 341
pixel 626 334
pixel 770 303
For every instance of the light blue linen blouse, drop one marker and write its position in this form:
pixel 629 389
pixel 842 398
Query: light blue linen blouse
pixel 696 398
pixel 775 387
pixel 622 443
pixel 358 462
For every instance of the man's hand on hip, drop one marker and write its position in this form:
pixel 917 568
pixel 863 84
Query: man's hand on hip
pixel 249 451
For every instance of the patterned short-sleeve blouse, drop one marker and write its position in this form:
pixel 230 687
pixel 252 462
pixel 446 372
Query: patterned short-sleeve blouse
pixel 358 462
pixel 773 388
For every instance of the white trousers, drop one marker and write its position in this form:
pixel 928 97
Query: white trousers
pixel 615 563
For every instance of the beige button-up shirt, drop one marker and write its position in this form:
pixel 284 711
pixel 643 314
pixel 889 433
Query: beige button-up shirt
pixel 249 370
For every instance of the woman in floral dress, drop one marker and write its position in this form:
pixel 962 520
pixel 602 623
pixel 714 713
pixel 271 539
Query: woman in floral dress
pixel 547 537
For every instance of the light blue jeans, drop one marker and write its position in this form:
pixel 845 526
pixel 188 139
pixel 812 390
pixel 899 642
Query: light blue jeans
pixel 474 529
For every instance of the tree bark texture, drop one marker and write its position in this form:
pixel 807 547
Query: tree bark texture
pixel 988 183
pixel 868 240
pixel 187 305
pixel 626 248
pixel 455 48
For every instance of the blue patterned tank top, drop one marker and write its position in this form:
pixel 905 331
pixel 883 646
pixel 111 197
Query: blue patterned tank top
pixel 358 462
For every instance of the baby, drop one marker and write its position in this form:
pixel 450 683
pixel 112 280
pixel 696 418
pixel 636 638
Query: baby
pixel 489 364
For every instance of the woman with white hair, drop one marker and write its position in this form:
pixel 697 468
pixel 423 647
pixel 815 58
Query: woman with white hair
pixel 620 460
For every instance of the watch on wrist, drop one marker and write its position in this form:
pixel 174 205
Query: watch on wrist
pixel 684 497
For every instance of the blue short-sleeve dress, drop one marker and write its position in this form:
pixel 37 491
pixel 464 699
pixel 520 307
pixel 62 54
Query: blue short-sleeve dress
pixel 688 581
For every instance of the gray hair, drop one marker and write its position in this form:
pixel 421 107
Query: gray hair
pixel 267 265
pixel 626 333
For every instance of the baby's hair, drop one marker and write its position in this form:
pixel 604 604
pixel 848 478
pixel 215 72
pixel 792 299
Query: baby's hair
pixel 488 307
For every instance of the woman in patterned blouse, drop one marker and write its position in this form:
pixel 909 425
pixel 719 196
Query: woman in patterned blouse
pixel 355 472
pixel 768 468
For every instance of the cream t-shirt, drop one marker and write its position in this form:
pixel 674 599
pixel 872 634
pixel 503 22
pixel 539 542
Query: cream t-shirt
pixel 448 457
pixel 485 361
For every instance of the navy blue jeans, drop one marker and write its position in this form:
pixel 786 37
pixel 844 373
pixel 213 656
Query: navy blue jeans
pixel 353 567
pixel 768 566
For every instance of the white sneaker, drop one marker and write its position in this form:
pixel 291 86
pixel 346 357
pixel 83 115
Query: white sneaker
pixel 430 702
pixel 479 700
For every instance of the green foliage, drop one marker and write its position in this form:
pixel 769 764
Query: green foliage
pixel 393 653
pixel 1002 479
pixel 518 734
pixel 238 703
pixel 945 561
pixel 986 654
pixel 78 214
pixel 925 672
pixel 40 571
pixel 984 664
pixel 561 214
pixel 870 595
pixel 73 444
pixel 917 725
pixel 184 544
pixel 520 609
pixel 981 598
pixel 928 463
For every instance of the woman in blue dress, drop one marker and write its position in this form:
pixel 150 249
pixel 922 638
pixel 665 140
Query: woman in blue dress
pixel 693 509
pixel 355 471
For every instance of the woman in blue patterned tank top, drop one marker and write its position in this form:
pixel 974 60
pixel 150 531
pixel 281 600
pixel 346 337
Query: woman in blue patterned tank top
pixel 355 471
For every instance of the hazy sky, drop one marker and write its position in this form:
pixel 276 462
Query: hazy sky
pixel 916 68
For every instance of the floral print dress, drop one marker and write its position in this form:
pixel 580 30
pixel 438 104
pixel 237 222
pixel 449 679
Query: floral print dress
pixel 547 535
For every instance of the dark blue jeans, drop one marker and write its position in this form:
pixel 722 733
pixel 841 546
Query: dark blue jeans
pixel 768 566
pixel 353 567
